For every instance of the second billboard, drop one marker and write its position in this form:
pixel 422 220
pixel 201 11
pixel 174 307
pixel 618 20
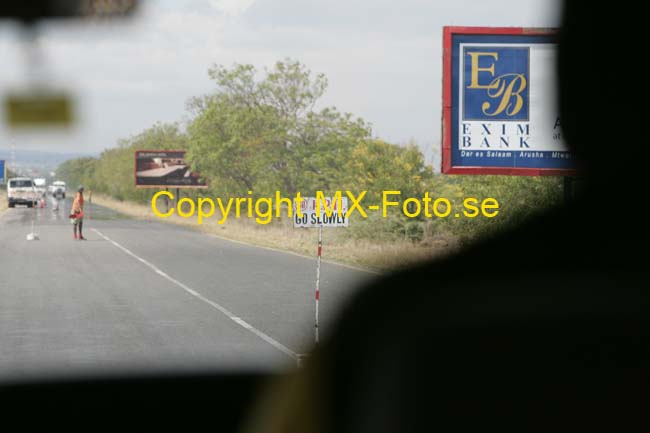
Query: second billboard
pixel 165 169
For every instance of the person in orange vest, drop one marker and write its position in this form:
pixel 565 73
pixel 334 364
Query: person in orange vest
pixel 77 213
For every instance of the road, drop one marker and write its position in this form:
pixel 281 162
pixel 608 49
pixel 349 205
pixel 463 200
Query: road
pixel 154 296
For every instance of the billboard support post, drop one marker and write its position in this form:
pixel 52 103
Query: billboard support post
pixel 572 187
pixel 568 190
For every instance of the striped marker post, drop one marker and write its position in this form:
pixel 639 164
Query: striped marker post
pixel 308 214
pixel 320 249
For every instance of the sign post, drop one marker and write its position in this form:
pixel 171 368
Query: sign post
pixel 320 249
pixel 309 213
pixel 3 172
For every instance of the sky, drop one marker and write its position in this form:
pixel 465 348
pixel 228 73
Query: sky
pixel 383 61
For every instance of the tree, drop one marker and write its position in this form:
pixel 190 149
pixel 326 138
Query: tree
pixel 264 135
pixel 78 171
pixel 377 166
pixel 235 146
pixel 112 172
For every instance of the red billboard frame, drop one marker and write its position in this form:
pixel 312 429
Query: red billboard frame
pixel 135 181
pixel 448 33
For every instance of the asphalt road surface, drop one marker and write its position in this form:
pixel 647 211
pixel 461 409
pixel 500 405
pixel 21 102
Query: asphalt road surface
pixel 140 295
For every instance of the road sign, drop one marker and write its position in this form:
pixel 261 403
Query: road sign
pixel 314 216
pixel 3 171
pixel 500 110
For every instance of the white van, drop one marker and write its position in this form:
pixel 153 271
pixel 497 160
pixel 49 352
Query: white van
pixel 57 189
pixel 21 190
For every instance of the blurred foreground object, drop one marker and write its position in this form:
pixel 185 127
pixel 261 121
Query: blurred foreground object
pixel 556 337
pixel 40 106
pixel 29 11
pixel 38 109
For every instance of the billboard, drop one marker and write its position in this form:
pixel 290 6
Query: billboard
pixel 500 109
pixel 164 169
pixel 3 171
pixel 310 216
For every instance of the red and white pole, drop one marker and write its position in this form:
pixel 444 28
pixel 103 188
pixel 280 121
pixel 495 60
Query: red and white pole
pixel 320 249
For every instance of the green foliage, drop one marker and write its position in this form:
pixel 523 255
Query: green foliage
pixel 77 172
pixel 519 198
pixel 377 166
pixel 112 172
pixel 264 135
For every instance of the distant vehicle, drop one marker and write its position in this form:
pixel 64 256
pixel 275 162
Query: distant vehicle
pixel 40 185
pixel 21 190
pixel 57 189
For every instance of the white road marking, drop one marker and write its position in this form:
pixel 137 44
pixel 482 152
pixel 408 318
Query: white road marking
pixel 231 316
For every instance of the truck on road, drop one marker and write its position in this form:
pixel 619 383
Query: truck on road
pixel 41 185
pixel 21 190
pixel 57 189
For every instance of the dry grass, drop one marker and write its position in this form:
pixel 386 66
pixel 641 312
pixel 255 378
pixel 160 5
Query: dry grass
pixel 3 201
pixel 337 245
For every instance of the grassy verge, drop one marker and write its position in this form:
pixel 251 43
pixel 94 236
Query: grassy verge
pixel 337 244
pixel 3 201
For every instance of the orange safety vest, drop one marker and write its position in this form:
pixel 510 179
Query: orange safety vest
pixel 78 203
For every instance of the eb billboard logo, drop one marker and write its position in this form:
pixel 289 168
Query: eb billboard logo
pixel 496 83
